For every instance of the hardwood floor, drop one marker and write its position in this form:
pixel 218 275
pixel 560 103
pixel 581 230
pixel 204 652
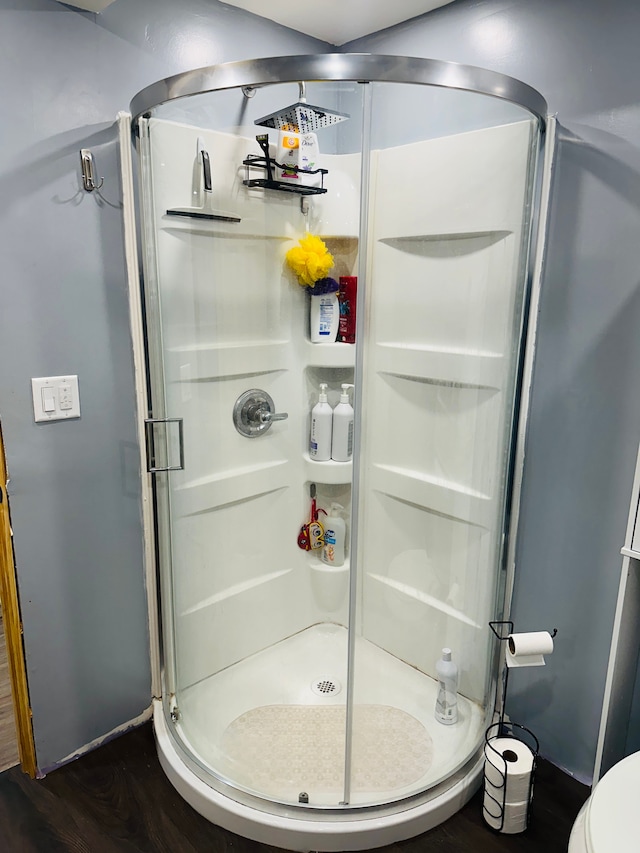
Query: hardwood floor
pixel 8 740
pixel 118 799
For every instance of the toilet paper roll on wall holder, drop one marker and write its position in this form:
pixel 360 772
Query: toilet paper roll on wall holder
pixel 498 629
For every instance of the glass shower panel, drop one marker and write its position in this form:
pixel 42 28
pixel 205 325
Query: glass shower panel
pixel 449 216
pixel 254 627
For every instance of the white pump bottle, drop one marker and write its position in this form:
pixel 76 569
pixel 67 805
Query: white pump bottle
pixel 335 536
pixel 321 426
pixel 342 441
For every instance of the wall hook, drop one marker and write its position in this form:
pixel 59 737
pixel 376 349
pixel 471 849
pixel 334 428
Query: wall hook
pixel 88 171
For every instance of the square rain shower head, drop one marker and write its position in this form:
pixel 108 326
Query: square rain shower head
pixel 303 117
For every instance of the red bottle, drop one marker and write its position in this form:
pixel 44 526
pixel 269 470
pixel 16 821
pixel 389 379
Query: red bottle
pixel 347 301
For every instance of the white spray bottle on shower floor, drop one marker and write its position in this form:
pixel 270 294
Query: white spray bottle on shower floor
pixel 446 711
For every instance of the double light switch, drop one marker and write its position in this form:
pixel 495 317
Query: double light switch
pixel 55 398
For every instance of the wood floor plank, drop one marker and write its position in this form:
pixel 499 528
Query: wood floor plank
pixel 117 800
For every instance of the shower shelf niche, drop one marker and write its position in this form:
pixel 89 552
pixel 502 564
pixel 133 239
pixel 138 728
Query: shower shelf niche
pixel 330 355
pixel 332 473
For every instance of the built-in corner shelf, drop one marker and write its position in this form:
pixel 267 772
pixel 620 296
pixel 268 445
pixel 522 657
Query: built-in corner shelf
pixel 331 473
pixel 330 355
pixel 316 563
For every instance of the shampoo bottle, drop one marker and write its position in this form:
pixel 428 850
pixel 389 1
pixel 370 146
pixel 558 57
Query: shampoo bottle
pixel 446 711
pixel 335 534
pixel 321 426
pixel 324 312
pixel 342 441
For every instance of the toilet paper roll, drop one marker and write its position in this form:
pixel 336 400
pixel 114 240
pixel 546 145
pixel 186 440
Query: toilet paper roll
pixel 528 649
pixel 496 794
pixel 515 816
pixel 508 767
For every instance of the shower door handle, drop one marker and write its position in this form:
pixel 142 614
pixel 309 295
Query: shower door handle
pixel 149 423
pixel 206 171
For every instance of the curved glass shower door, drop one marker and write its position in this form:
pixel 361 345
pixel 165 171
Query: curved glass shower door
pixel 287 679
pixel 255 629
pixel 449 206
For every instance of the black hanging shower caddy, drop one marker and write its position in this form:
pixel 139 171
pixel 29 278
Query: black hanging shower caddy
pixel 270 183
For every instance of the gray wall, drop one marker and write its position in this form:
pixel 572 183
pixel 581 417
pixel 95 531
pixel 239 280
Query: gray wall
pixel 74 488
pixel 585 417
pixel 74 492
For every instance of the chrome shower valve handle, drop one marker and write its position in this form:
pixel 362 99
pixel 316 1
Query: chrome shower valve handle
pixel 254 412
pixel 270 417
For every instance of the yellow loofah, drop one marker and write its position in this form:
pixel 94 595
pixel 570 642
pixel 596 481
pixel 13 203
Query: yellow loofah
pixel 310 261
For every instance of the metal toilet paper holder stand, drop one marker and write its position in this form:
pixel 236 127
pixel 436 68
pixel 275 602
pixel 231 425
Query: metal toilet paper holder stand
pixel 498 805
pixel 506 729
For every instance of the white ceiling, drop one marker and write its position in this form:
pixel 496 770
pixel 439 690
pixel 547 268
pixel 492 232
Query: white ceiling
pixel 338 21
pixel 334 21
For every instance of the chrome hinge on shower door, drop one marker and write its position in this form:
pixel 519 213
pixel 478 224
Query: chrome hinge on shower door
pixel 174 711
pixel 149 425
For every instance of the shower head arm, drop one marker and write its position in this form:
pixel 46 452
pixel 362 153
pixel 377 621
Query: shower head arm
pixel 249 91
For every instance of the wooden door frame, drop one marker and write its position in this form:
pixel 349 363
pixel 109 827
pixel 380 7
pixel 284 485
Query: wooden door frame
pixel 13 630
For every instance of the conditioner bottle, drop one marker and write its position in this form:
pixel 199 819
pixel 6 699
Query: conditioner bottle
pixel 342 441
pixel 321 427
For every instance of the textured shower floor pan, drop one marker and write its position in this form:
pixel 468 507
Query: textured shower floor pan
pixel 275 723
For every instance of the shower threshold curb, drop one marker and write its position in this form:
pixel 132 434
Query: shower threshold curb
pixel 357 830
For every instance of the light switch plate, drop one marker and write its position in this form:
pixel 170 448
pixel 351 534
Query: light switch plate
pixel 55 398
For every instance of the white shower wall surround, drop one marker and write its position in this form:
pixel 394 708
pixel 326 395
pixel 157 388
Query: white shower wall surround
pixel 257 671
pixel 432 500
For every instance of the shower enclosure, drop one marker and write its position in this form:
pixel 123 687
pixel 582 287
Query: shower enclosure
pixel 298 697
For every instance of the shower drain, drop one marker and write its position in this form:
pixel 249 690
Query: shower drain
pixel 326 686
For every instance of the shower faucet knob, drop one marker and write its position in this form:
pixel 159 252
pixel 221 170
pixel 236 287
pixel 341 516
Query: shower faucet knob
pixel 254 412
pixel 268 417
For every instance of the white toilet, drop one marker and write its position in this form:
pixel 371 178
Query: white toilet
pixel 609 822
